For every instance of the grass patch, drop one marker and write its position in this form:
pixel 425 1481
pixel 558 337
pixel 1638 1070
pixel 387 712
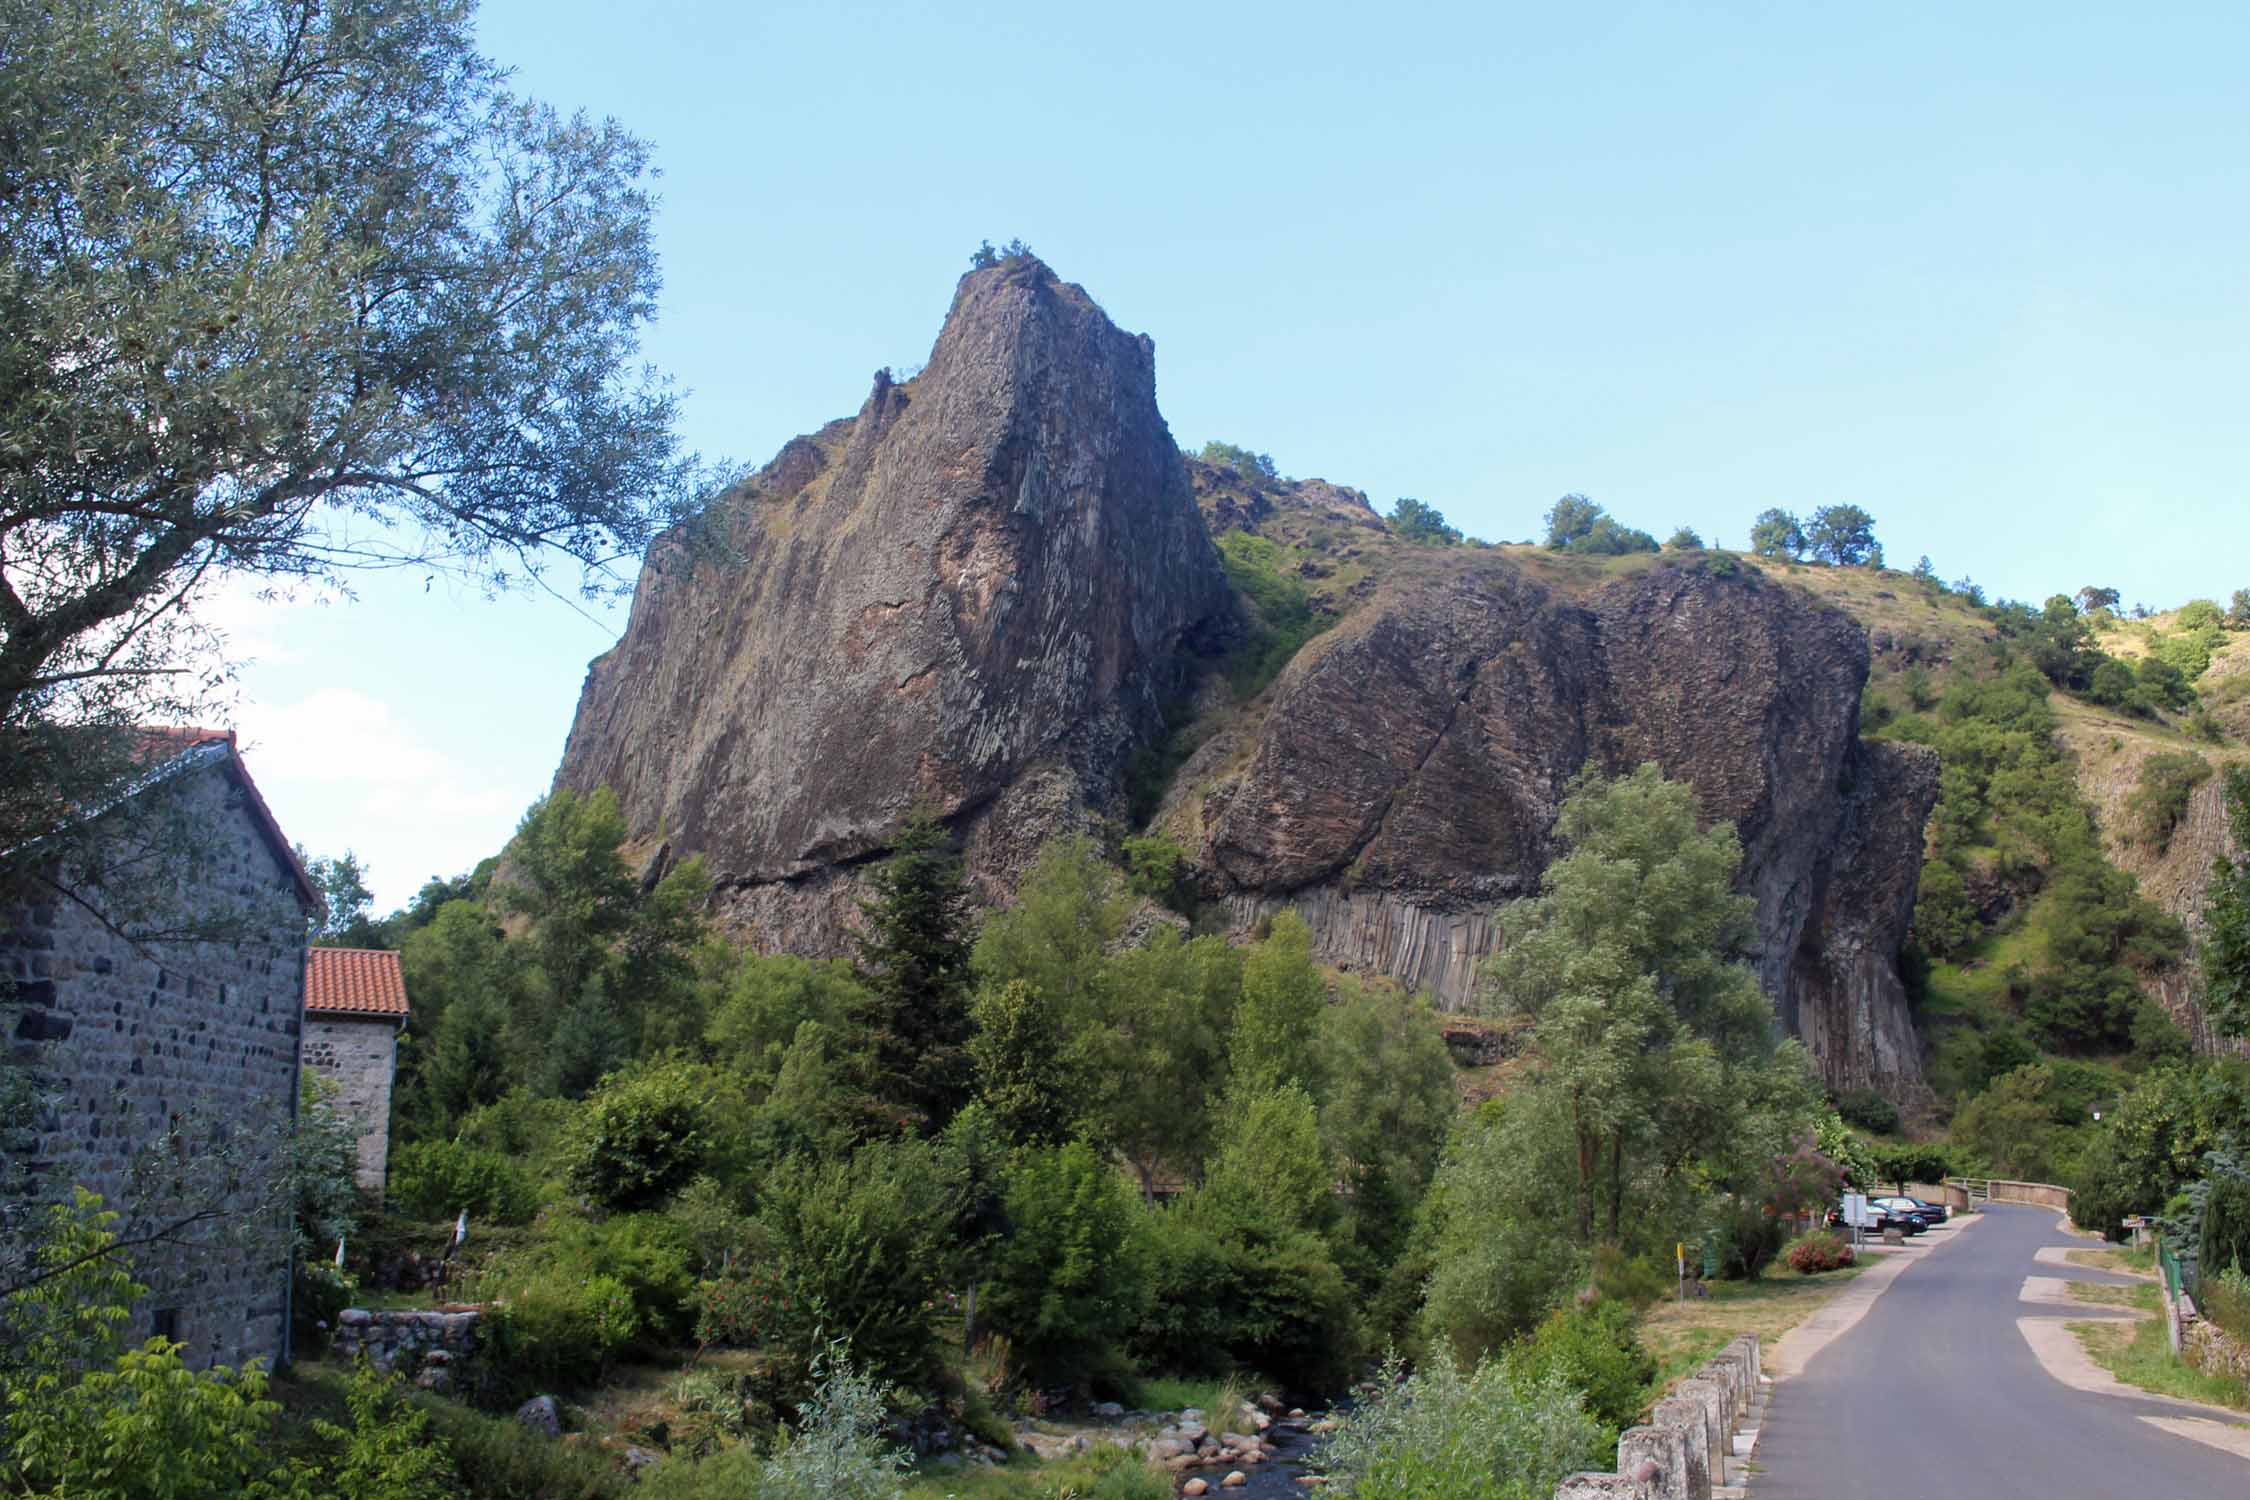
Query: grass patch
pixel 2142 1298
pixel 2123 1261
pixel 1683 1334
pixel 1214 1398
pixel 2139 1355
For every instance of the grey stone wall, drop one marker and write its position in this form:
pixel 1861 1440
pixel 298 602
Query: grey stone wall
pixel 360 1057
pixel 165 1060
pixel 435 1350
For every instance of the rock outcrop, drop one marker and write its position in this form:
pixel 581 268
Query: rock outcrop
pixel 972 594
pixel 1405 780
pixel 981 592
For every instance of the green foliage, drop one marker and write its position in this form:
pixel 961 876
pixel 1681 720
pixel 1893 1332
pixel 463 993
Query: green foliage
pixel 1844 536
pixel 1777 534
pixel 464 983
pixel 2187 651
pixel 1492 1432
pixel 1231 1292
pixel 342 276
pixel 1068 1280
pixel 1740 1241
pixel 2200 614
pixel 1811 1254
pixel 2238 610
pixel 984 257
pixel 388 1452
pixel 1905 1163
pixel 1282 616
pixel 761 1004
pixel 1233 456
pixel 2010 1127
pixel 1868 1110
pixel 1498 1265
pixel 645 1134
pixel 1571 519
pixel 2226 941
pixel 1423 525
pixel 1271 1167
pixel 438 1179
pixel 1162 1054
pixel 1386 1106
pixel 1595 1350
pixel 1648 1032
pixel 2009 814
pixel 2223 1244
pixel 1018 1053
pixel 81 1415
pixel 343 889
pixel 857 1246
pixel 836 1449
pixel 1276 1026
pixel 1156 867
pixel 559 1329
pixel 2160 800
pixel 1685 539
pixel 911 1014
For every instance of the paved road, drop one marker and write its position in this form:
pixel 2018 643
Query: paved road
pixel 1935 1392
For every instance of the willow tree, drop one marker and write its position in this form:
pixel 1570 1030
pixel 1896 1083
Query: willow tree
pixel 1647 1024
pixel 289 288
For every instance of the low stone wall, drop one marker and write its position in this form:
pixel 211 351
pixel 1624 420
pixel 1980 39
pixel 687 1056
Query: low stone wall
pixel 435 1350
pixel 2214 1351
pixel 1681 1453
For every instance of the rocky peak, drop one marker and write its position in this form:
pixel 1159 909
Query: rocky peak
pixel 970 594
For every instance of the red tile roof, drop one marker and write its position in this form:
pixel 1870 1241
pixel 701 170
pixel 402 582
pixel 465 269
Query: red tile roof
pixel 363 982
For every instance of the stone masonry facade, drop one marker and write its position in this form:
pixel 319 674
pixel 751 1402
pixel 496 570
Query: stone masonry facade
pixel 360 1057
pixel 173 1053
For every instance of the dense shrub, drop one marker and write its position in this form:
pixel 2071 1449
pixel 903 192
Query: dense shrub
pixel 559 1329
pixel 438 1179
pixel 644 1135
pixel 1229 1292
pixel 1069 1278
pixel 857 1245
pixel 2158 803
pixel 739 1312
pixel 1818 1251
pixel 1597 1351
pixel 1741 1242
pixel 1501 1262
pixel 1868 1110
pixel 498 1458
pixel 1492 1432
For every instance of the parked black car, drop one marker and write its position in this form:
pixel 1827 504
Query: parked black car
pixel 1910 1210
pixel 1879 1219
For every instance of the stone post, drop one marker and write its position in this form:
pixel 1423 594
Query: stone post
pixel 1718 1421
pixel 1686 1418
pixel 1662 1449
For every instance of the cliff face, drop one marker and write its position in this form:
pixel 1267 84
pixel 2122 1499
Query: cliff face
pixel 1405 778
pixel 981 590
pixel 971 594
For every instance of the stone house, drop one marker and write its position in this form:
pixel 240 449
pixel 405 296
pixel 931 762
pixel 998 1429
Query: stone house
pixel 355 1008
pixel 157 967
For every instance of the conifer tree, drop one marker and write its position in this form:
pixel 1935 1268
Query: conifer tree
pixel 913 1020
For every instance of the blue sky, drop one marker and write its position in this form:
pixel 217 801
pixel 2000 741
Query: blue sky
pixel 1981 274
